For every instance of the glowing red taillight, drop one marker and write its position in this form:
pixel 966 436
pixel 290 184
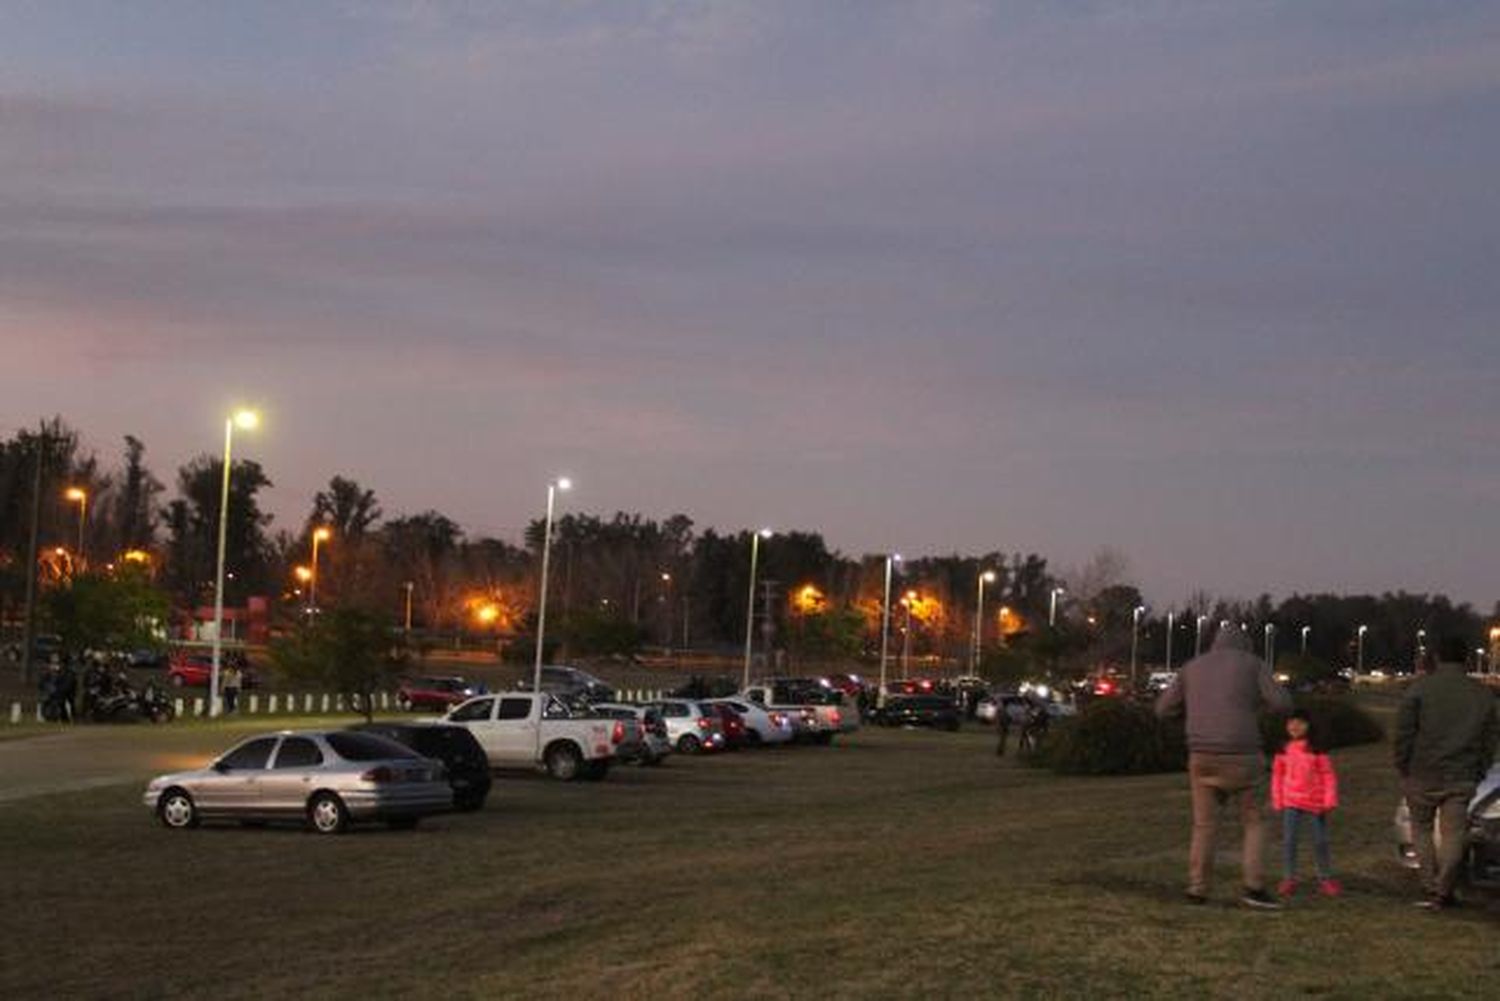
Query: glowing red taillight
pixel 703 723
pixel 618 734
pixel 835 717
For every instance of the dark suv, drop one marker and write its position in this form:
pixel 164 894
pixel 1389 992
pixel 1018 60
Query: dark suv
pixel 468 767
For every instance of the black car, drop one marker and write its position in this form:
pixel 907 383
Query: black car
pixel 468 767
pixel 936 711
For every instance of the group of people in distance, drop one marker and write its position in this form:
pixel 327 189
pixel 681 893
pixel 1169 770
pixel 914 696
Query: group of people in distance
pixel 1445 742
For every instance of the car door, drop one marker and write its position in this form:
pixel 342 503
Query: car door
pixel 516 729
pixel 287 783
pixel 234 781
pixel 478 717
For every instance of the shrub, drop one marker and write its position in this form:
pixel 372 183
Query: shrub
pixel 1336 722
pixel 1114 737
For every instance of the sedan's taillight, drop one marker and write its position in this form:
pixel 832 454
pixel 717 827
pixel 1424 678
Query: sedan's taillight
pixel 378 775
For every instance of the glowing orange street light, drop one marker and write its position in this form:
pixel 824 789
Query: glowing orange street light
pixel 79 496
pixel 302 573
pixel 487 614
pixel 320 534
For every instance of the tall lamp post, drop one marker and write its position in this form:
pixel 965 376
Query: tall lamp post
pixel 885 623
pixel 408 588
pixel 764 533
pixel 1270 645
pixel 320 535
pixel 80 496
pixel 666 582
pixel 1135 640
pixel 1171 623
pixel 1052 606
pixel 562 483
pixel 1198 635
pixel 988 577
pixel 1359 657
pixel 1306 631
pixel 245 420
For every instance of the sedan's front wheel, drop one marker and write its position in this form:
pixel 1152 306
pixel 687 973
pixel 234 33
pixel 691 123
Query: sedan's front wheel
pixel 177 810
pixel 327 814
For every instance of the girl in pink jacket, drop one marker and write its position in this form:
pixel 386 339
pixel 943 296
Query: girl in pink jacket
pixel 1304 787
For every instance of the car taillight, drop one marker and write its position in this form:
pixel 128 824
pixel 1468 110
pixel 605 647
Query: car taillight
pixel 378 775
pixel 778 720
pixel 703 723
pixel 618 734
pixel 835 717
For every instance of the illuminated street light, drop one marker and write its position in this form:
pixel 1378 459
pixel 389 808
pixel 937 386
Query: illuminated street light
pixel 1052 606
pixel 1306 631
pixel 408 588
pixel 1359 667
pixel 907 600
pixel 885 623
pixel 246 420
pixel 1270 645
pixel 1171 622
pixel 302 574
pixel 988 577
pixel 1135 638
pixel 320 534
pixel 79 496
pixel 755 537
pixel 541 606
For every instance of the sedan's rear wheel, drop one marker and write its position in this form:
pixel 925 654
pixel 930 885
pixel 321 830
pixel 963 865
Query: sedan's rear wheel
pixel 177 810
pixel 327 814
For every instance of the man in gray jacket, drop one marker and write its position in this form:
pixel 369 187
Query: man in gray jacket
pixel 1445 743
pixel 1222 693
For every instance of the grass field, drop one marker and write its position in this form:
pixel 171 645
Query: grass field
pixel 896 864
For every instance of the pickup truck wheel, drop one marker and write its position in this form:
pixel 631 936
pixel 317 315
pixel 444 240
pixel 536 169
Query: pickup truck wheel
pixel 688 744
pixel 564 762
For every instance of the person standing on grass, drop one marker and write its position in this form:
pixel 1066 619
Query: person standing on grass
pixel 231 681
pixel 1445 743
pixel 1221 694
pixel 1304 788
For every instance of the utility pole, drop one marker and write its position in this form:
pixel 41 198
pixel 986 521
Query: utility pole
pixel 767 623
pixel 40 450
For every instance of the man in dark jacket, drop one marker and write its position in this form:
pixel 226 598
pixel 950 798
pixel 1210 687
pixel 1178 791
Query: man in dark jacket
pixel 1445 743
pixel 1222 693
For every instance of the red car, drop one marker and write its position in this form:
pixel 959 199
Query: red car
pixel 193 669
pixel 437 694
pixel 731 723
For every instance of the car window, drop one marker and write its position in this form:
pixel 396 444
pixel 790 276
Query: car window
pixel 367 747
pixel 555 709
pixel 249 756
pixel 675 710
pixel 298 752
pixel 515 709
pixel 475 710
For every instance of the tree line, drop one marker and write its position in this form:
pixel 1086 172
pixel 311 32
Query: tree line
pixel 626 582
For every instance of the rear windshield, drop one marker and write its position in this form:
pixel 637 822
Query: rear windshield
pixel 367 747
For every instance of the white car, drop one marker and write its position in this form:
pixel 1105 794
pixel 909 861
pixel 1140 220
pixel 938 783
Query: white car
pixel 762 726
pixel 690 727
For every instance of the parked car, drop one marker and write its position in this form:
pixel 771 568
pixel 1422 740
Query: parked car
pixel 526 730
pixel 326 779
pixel 692 727
pixel 462 758
pixel 192 669
pixel 919 710
pixel 434 693
pixel 571 683
pixel 821 707
pixel 731 723
pixel 762 726
pixel 647 744
pixel 1482 856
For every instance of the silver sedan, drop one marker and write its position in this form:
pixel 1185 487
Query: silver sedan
pixel 327 779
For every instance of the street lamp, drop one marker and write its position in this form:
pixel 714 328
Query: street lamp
pixel 1052 607
pixel 320 534
pixel 245 420
pixel 1135 640
pixel 408 587
pixel 764 533
pixel 562 483
pixel 666 580
pixel 79 496
pixel 885 623
pixel 1359 667
pixel 988 577
pixel 1171 620
pixel 1306 631
pixel 1198 635
pixel 907 600
pixel 1270 645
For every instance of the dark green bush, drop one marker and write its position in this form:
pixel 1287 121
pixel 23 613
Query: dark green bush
pixel 1114 737
pixel 1337 721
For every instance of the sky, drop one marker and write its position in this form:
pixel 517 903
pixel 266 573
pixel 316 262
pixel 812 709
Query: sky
pixel 1214 284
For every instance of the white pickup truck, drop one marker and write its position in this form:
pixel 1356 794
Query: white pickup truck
pixel 822 709
pixel 571 746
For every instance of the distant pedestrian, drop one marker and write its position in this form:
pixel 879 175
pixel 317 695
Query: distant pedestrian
pixel 1304 789
pixel 229 684
pixel 1221 693
pixel 1446 732
pixel 1034 726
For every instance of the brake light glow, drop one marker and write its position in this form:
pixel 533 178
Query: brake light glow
pixel 618 734
pixel 703 723
pixel 835 717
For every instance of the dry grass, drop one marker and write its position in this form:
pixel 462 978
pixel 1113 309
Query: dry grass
pixel 897 864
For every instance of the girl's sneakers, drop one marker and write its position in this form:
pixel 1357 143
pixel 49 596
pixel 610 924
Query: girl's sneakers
pixel 1286 889
pixel 1330 887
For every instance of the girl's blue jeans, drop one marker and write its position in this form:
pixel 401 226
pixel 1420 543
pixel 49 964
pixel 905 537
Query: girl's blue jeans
pixel 1291 824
